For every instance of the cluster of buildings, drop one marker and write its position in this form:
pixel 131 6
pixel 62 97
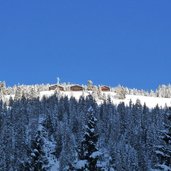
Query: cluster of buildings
pixel 76 87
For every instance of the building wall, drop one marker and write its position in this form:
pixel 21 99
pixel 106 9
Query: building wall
pixel 54 87
pixel 105 88
pixel 76 88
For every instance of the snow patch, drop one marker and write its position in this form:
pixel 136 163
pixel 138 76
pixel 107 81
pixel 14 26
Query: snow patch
pixel 96 154
pixel 81 164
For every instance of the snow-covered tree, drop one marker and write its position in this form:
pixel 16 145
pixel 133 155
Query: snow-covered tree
pixel 120 92
pixel 89 85
pixel 163 151
pixel 36 160
pixel 88 153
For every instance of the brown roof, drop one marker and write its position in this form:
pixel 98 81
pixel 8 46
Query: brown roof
pixel 56 87
pixel 105 88
pixel 76 88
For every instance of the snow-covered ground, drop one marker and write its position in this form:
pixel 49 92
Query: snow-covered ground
pixel 151 102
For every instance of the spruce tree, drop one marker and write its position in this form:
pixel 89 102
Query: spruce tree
pixel 163 151
pixel 88 152
pixel 36 160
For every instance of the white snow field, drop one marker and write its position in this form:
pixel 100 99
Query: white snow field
pixel 151 102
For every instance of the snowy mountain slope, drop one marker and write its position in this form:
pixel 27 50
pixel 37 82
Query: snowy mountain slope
pixel 53 129
pixel 151 102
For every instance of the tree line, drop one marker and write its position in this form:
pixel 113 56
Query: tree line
pixel 87 136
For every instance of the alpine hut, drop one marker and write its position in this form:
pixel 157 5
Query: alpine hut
pixel 56 87
pixel 76 88
pixel 105 88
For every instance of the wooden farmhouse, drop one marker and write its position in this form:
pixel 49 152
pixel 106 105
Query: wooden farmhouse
pixel 105 88
pixel 76 88
pixel 56 87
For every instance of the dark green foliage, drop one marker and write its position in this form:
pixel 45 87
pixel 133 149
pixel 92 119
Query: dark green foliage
pixel 163 151
pixel 127 135
pixel 59 143
pixel 36 159
pixel 89 144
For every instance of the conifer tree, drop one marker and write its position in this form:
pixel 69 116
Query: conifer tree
pixel 88 152
pixel 163 151
pixel 37 160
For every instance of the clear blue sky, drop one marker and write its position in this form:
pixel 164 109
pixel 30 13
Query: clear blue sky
pixel 111 42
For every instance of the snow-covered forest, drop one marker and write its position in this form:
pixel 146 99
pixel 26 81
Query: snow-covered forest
pixel 42 132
